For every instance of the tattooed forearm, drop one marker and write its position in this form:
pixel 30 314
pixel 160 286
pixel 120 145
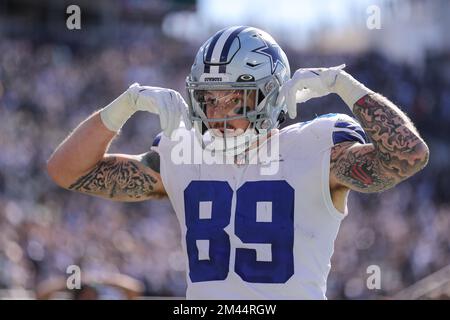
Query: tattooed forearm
pixel 398 145
pixel 116 178
pixel 396 152
pixel 359 168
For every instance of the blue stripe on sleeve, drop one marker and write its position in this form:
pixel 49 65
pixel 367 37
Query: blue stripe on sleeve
pixel 156 140
pixel 343 136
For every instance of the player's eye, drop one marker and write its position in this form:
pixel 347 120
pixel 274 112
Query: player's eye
pixel 234 101
pixel 240 110
pixel 237 100
pixel 211 101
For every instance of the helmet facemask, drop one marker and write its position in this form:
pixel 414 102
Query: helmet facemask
pixel 224 107
pixel 215 107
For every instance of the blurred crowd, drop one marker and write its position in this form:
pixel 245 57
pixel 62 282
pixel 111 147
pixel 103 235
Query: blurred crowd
pixel 46 89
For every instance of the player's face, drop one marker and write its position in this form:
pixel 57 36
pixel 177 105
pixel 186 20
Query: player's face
pixel 228 104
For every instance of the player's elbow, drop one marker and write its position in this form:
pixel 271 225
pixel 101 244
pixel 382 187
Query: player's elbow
pixel 425 154
pixel 55 171
pixel 400 169
pixel 419 158
pixel 416 159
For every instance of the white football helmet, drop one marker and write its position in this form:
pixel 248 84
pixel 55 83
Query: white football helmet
pixel 245 61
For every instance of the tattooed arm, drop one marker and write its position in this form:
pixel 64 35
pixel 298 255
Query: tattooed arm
pixel 81 164
pixel 123 178
pixel 396 152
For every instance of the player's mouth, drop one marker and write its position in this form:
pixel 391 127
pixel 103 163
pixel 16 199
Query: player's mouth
pixel 219 130
pixel 219 126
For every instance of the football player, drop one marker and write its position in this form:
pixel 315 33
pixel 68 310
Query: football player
pixel 245 234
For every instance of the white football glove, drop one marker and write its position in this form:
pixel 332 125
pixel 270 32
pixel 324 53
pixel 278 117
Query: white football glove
pixel 306 84
pixel 167 103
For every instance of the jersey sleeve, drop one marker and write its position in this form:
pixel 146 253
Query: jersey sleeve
pixel 156 142
pixel 345 129
pixel 322 133
pixel 164 145
pixel 329 130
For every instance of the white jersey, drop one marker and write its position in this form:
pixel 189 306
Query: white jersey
pixel 252 236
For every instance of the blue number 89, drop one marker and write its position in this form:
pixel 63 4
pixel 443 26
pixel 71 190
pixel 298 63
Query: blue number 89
pixel 279 232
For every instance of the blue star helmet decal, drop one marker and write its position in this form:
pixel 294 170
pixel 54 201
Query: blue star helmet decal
pixel 272 51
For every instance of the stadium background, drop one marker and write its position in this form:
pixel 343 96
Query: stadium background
pixel 51 78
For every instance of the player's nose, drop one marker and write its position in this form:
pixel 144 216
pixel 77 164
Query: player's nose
pixel 218 112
